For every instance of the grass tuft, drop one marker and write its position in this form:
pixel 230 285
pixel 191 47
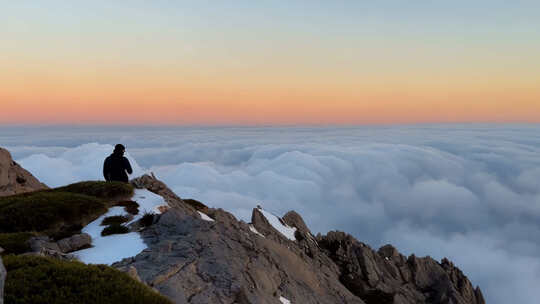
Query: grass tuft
pixel 147 219
pixel 131 207
pixel 115 219
pixel 114 229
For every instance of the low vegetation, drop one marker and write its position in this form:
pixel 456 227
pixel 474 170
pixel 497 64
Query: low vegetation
pixel 115 219
pixel 131 207
pixel 15 242
pixel 114 229
pixel 147 219
pixel 71 282
pixel 58 212
pixel 100 189
pixel 47 210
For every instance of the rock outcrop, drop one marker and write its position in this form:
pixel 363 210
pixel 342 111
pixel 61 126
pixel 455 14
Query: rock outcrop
pixel 3 274
pixel 386 276
pixel 192 260
pixel 43 246
pixel 75 242
pixel 14 179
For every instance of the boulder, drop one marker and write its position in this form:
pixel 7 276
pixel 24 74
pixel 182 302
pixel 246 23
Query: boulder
pixel 40 243
pixel 75 242
pixel 14 179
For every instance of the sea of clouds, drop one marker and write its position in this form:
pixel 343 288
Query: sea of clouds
pixel 467 192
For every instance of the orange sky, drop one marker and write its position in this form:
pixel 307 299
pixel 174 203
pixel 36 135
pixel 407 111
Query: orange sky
pixel 114 68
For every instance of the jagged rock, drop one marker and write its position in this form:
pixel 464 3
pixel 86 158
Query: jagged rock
pixel 3 274
pixel 74 242
pixel 14 179
pixel 195 261
pixel 387 277
pixel 294 219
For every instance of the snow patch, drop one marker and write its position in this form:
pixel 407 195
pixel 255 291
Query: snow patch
pixel 255 230
pixel 287 231
pixel 205 217
pixel 284 300
pixel 113 248
pixel 148 201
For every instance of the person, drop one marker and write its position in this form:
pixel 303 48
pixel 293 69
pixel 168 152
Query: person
pixel 116 165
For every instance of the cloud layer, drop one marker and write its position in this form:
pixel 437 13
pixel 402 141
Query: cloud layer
pixel 467 192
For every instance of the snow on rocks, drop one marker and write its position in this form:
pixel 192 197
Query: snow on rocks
pixel 255 231
pixel 113 248
pixel 284 300
pixel 205 217
pixel 287 231
pixel 149 201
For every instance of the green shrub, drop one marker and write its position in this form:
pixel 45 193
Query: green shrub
pixel 33 280
pixel 131 207
pixel 15 242
pixel 66 231
pixel 47 210
pixel 147 219
pixel 114 229
pixel 105 190
pixel 115 219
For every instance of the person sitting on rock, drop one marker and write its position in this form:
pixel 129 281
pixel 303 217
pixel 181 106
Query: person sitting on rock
pixel 116 165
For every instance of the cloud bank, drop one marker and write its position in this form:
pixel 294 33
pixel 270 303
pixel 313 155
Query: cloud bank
pixel 467 192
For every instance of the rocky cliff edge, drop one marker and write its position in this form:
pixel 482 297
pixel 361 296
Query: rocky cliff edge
pixel 198 254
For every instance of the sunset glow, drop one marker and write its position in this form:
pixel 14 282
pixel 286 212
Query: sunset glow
pixel 306 63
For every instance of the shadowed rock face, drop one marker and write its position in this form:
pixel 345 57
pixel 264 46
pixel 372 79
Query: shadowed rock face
pixel 195 261
pixel 14 179
pixel 386 276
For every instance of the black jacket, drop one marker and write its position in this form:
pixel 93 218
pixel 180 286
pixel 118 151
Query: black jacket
pixel 115 167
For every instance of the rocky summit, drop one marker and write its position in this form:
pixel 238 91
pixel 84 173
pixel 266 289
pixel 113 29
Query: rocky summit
pixel 14 179
pixel 193 259
pixel 196 254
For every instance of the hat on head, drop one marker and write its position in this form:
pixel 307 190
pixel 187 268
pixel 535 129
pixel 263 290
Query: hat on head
pixel 119 148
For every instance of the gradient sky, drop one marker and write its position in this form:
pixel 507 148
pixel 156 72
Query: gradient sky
pixel 269 62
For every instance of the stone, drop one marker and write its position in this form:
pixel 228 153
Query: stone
pixel 40 243
pixel 14 179
pixel 75 242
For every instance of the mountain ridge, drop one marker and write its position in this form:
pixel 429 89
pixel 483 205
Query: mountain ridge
pixel 197 254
